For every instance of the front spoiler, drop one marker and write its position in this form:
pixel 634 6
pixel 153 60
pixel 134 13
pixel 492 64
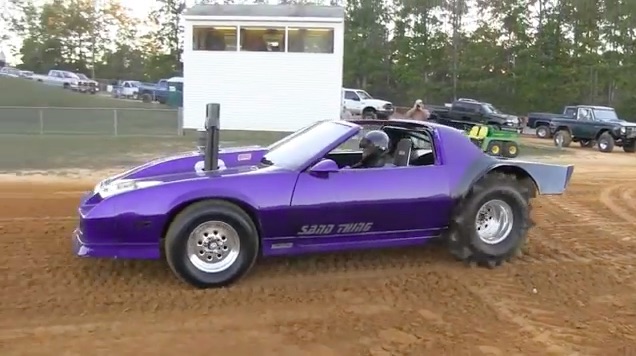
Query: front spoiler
pixel 116 251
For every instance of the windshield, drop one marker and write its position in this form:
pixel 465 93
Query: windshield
pixel 295 150
pixel 135 84
pixel 82 76
pixel 363 95
pixel 605 115
pixel 290 136
pixel 69 75
pixel 491 109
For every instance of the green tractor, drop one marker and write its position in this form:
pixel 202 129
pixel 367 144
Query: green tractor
pixel 495 142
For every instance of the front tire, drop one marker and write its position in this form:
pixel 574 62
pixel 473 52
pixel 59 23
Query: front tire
pixel 542 131
pixel 369 114
pixel 606 142
pixel 211 244
pixel 146 98
pixel 564 137
pixel 490 225
pixel 629 146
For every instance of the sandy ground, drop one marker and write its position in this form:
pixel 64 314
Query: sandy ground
pixel 572 293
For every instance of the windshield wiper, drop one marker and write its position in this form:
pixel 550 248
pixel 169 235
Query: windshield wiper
pixel 266 162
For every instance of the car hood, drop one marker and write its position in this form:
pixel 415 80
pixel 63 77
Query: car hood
pixel 375 102
pixel 222 172
pixel 192 162
pixel 626 123
pixel 507 117
pixel 117 186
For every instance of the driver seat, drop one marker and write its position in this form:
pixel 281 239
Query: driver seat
pixel 402 153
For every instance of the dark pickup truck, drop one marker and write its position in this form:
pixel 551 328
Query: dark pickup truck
pixel 540 121
pixel 466 113
pixel 593 124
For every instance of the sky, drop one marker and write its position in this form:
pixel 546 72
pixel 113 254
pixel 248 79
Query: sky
pixel 138 8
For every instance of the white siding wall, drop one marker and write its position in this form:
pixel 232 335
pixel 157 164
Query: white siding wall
pixel 263 91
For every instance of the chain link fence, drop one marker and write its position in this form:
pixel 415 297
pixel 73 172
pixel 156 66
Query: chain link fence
pixel 90 121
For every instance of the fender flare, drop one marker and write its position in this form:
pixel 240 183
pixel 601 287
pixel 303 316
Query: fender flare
pixel 549 179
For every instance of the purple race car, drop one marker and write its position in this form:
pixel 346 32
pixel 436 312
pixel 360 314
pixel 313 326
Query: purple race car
pixel 211 214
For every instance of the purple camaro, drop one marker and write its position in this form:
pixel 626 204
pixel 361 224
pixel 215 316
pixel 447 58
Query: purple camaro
pixel 213 212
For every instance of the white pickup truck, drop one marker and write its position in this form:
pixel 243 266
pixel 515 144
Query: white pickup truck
pixel 93 86
pixel 128 89
pixel 67 80
pixel 359 102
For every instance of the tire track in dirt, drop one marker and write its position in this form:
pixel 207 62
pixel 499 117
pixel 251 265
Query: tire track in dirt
pixel 557 234
pixel 18 208
pixel 629 196
pixel 556 245
pixel 39 218
pixel 368 303
pixel 623 209
pixel 602 223
pixel 564 245
pixel 48 196
pixel 543 321
pixel 542 324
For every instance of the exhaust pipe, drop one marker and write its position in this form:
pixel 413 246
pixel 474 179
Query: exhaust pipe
pixel 212 127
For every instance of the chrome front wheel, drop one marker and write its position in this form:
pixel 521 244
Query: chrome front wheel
pixel 213 246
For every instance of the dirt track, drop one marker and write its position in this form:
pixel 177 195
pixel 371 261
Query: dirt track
pixel 573 292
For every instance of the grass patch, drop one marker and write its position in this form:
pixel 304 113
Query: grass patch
pixel 30 107
pixel 42 152
pixel 30 93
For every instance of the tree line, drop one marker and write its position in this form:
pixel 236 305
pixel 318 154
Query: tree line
pixel 520 55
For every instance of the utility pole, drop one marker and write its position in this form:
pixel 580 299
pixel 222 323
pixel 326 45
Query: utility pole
pixel 97 5
pixel 456 22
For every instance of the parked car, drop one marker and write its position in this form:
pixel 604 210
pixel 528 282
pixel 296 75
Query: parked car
pixel 587 124
pixel 540 121
pixel 26 74
pixel 67 80
pixel 159 91
pixel 359 102
pixel 93 85
pixel 128 89
pixel 465 113
pixel 10 72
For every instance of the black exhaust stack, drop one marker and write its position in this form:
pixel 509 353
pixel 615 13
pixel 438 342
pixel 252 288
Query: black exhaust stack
pixel 212 127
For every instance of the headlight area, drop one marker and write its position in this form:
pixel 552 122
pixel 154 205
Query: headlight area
pixel 107 189
pixel 109 216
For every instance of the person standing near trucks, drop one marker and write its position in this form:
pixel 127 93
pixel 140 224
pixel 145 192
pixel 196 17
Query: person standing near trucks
pixel 418 111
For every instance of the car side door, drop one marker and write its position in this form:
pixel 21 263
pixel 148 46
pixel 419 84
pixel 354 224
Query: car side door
pixel 377 203
pixel 384 203
pixel 584 126
pixel 352 102
pixel 126 89
pixel 464 115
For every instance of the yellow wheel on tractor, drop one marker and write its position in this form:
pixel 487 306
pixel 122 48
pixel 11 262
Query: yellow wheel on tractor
pixel 494 148
pixel 511 150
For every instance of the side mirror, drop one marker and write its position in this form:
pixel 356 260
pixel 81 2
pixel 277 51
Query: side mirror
pixel 355 98
pixel 323 167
